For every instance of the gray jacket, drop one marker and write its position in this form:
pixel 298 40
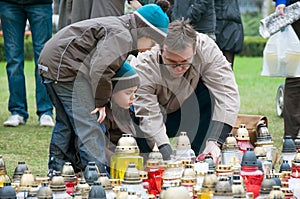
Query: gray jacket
pixel 95 48
pixel 159 94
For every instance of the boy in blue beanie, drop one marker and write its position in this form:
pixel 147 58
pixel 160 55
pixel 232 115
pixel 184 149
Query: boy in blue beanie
pixel 77 66
pixel 118 120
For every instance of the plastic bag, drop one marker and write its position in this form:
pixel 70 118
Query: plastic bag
pixel 281 55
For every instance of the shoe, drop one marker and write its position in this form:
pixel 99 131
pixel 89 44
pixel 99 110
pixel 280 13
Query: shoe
pixel 14 120
pixel 46 121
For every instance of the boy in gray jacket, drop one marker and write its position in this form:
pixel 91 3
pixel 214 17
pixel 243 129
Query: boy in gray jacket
pixel 77 66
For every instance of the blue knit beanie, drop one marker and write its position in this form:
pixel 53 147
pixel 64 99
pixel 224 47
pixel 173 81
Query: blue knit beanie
pixel 126 77
pixel 155 16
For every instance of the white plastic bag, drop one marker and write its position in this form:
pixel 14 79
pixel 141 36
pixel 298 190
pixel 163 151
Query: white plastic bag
pixel 281 56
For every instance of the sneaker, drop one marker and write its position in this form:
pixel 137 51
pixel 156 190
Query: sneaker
pixel 46 121
pixel 14 120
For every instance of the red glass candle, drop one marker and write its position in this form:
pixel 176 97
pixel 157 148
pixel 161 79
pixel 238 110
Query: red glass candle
pixel 250 173
pixel 252 178
pixel 154 180
pixel 70 186
pixel 294 181
pixel 244 144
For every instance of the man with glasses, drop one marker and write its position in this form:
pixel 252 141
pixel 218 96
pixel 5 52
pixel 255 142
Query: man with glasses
pixel 186 85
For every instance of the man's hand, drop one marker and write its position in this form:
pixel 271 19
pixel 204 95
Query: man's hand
pixel 214 150
pixel 280 9
pixel 102 114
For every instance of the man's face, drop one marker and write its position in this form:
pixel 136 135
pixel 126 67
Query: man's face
pixel 177 62
pixel 124 98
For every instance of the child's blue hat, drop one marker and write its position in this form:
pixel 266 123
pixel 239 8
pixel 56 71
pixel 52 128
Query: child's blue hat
pixel 126 77
pixel 154 15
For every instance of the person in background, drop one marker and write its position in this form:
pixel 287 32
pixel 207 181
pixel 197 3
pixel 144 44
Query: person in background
pixel 77 65
pixel 291 105
pixel 186 85
pixel 14 15
pixel 200 13
pixel 229 28
pixel 71 11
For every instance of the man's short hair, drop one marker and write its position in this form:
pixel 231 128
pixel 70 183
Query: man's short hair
pixel 180 35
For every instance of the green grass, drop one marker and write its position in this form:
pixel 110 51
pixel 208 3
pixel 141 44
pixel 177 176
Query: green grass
pixel 258 94
pixel 30 142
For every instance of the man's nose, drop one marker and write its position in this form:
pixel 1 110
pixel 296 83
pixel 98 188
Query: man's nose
pixel 178 68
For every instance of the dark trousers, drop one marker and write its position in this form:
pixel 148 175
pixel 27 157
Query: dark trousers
pixel 194 117
pixel 74 102
pixel 291 109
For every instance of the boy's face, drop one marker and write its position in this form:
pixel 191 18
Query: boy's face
pixel 145 43
pixel 124 98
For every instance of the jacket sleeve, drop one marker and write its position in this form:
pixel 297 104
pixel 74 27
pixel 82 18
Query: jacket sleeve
pixel 218 131
pixel 109 56
pixel 219 78
pixel 146 105
pixel 196 10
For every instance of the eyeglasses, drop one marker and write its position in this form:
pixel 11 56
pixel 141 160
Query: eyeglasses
pixel 183 65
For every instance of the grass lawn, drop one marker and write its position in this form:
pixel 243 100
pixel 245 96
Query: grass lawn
pixel 30 142
pixel 258 94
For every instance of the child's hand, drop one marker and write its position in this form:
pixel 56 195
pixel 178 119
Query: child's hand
pixel 102 114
